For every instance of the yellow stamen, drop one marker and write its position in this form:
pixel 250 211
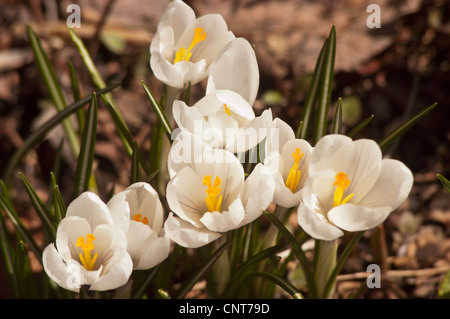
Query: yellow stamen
pixel 342 182
pixel 86 258
pixel 294 174
pixel 213 200
pixel 185 55
pixel 137 218
pixel 227 110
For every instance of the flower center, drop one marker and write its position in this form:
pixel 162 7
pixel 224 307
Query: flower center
pixel 138 218
pixel 227 110
pixel 185 55
pixel 213 200
pixel 294 174
pixel 342 182
pixel 86 258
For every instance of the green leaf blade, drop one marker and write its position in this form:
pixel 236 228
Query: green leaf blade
pixel 187 286
pixel 87 152
pixel 297 249
pixel 40 208
pixel 311 97
pixel 386 141
pixel 325 89
pixel 158 110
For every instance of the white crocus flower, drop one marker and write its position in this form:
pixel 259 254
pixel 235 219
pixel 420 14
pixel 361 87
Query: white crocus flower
pixel 350 187
pixel 224 118
pixel 288 158
pixel 184 46
pixel 209 194
pixel 139 213
pixel 89 250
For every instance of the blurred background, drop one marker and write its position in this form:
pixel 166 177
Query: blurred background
pixel 392 72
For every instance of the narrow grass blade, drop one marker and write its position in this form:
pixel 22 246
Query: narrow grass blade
pixel 87 152
pixel 53 87
pixel 159 111
pixel 23 271
pixel 98 81
pixel 386 141
pixel 144 283
pixel 187 286
pixel 135 167
pixel 297 249
pixel 360 126
pixel 121 127
pixel 21 229
pixel 445 182
pixel 444 289
pixel 8 257
pixel 58 203
pixel 281 282
pixel 336 128
pixel 151 176
pixel 325 88
pixel 40 208
pixel 155 150
pixel 36 136
pixel 311 97
pixel 76 93
pixel 236 278
pixel 124 132
pixel 186 95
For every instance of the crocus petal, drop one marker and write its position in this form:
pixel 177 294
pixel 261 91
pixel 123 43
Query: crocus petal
pixel 185 196
pixel 364 169
pixel 186 150
pixel 156 250
pixel 235 69
pixel 57 270
pixel 68 231
pixel 191 72
pixel 327 149
pixel 227 166
pixel 188 118
pixel 90 207
pixel 392 186
pixel 108 240
pixel 120 210
pixel 280 133
pixel 209 105
pixel 288 148
pixel 144 200
pixel 351 217
pixel 191 120
pixel 187 235
pixel 227 219
pixel 117 276
pixel 161 55
pixel 252 134
pixel 259 188
pixel 178 15
pixel 237 104
pixel 315 225
pixel 111 245
pixel 137 240
pixel 217 36
pixel 318 191
pixel 285 198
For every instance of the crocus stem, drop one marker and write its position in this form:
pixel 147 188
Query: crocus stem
pixel 272 232
pixel 325 262
pixel 171 94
